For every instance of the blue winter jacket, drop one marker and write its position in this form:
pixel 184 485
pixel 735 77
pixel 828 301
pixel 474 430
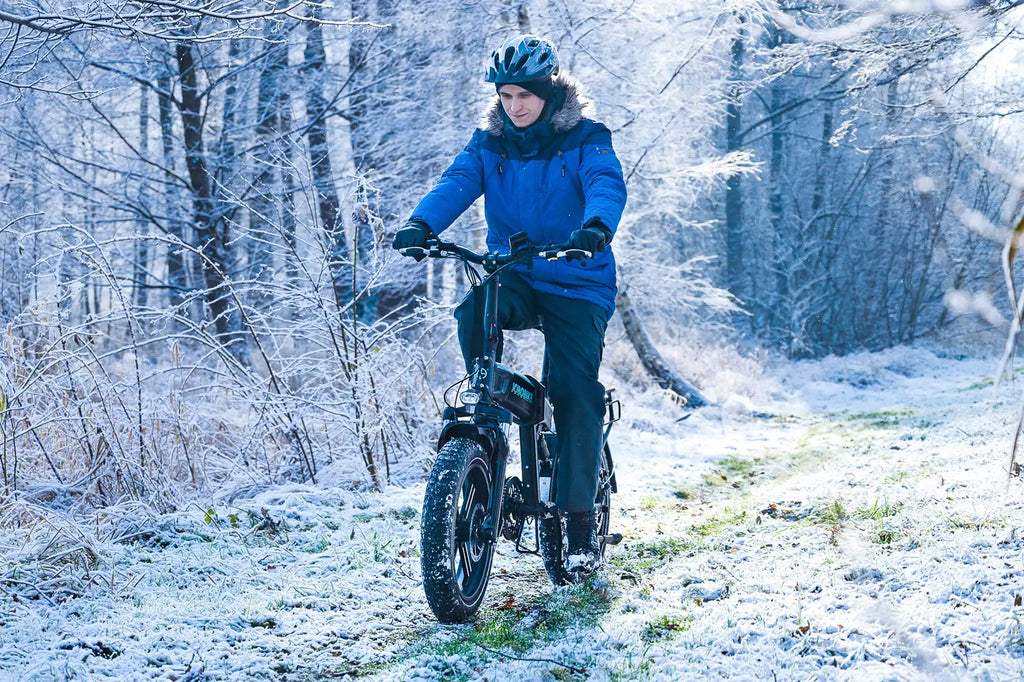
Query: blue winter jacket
pixel 546 180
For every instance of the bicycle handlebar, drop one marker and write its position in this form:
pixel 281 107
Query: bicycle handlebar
pixel 439 249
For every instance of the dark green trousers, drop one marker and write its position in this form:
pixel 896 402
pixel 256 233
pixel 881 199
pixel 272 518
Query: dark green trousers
pixel 573 343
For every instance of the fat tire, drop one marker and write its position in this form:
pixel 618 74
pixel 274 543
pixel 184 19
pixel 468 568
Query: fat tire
pixel 552 528
pixel 458 493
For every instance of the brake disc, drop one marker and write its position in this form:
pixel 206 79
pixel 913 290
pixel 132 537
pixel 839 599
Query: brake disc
pixel 512 516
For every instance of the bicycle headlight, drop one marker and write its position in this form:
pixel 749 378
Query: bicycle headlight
pixel 470 397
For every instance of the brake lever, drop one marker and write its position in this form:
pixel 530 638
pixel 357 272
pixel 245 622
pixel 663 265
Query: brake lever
pixel 574 254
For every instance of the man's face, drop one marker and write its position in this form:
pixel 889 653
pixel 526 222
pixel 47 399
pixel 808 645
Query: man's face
pixel 522 106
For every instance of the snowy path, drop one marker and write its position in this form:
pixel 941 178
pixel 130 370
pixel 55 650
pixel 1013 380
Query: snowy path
pixel 861 530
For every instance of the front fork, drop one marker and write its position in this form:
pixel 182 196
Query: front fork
pixel 492 525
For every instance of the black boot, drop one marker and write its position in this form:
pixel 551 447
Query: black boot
pixel 583 552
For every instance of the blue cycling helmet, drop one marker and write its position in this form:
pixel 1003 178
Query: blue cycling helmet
pixel 520 59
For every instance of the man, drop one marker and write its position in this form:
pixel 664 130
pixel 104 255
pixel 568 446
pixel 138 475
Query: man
pixel 546 169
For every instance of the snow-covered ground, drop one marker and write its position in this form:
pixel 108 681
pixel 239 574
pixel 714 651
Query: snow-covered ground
pixel 855 522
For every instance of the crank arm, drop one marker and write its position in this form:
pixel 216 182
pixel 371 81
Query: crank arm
pixel 613 539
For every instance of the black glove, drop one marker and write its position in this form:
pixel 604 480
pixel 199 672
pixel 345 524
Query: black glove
pixel 593 238
pixel 414 233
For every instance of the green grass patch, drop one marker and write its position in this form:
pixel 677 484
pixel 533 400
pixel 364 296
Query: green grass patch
pixel 635 666
pixel 1015 641
pixel 640 558
pixel 735 466
pixel 831 513
pixel 897 477
pixel 879 510
pixel 664 627
pixel 502 632
pixel 957 522
pixel 732 471
pixel 403 514
pixel 715 524
pixel 513 625
pixel 987 382
pixel 317 546
pixel 883 415
pixel 885 536
pixel 883 419
pixel 807 456
pixel 983 383
pixel 644 557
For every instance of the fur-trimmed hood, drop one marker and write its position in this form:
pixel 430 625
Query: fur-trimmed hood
pixel 574 109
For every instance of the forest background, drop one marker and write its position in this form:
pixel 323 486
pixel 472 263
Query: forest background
pixel 197 199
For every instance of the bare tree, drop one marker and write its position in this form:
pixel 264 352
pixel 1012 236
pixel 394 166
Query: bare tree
pixel 207 220
pixel 314 71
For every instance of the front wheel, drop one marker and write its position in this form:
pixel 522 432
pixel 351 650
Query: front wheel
pixel 455 541
pixel 552 529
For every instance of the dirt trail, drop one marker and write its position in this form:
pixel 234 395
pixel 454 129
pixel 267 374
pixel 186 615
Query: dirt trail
pixel 865 534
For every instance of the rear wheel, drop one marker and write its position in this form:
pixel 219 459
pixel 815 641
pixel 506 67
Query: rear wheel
pixel 552 529
pixel 456 543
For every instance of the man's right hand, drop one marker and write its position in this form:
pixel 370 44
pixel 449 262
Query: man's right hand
pixel 414 233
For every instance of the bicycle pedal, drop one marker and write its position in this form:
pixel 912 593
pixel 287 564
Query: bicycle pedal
pixel 613 539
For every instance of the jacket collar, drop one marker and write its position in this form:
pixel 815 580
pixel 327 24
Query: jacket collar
pixel 572 111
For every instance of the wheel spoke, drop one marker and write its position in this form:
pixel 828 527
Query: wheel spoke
pixel 464 570
pixel 468 497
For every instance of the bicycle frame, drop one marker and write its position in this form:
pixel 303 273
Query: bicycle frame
pixel 468 502
pixel 503 397
pixel 498 396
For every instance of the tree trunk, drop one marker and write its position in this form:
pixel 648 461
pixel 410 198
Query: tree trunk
pixel 225 189
pixel 734 233
pixel 371 57
pixel 660 371
pixel 141 267
pixel 263 219
pixel 812 245
pixel 289 181
pixel 177 279
pixel 328 205
pixel 209 239
pixel 516 17
pixel 778 307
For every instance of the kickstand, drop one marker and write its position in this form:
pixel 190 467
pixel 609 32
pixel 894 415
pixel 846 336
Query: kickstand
pixel 536 536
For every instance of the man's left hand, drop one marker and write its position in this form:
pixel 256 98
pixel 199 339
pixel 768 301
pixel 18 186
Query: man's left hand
pixel 593 239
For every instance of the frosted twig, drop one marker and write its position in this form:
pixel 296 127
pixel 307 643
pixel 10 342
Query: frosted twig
pixel 570 668
pixel 12 581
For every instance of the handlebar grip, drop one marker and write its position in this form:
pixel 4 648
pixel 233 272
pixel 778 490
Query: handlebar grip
pixel 416 252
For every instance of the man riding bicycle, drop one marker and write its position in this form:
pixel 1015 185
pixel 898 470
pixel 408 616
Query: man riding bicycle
pixel 545 169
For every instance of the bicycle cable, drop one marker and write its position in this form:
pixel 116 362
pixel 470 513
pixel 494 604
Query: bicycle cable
pixel 456 385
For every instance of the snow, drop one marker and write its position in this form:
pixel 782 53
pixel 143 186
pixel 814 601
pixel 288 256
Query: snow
pixel 849 519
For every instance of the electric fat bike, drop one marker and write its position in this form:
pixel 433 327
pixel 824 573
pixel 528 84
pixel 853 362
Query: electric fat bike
pixel 469 502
